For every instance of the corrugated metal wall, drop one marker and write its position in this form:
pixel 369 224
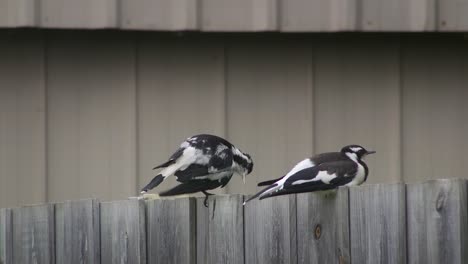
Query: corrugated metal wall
pixel 239 15
pixel 88 114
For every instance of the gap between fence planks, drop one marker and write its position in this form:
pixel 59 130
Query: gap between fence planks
pixel 383 223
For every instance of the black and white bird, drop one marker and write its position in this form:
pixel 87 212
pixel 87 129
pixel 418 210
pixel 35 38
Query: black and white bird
pixel 202 162
pixel 324 171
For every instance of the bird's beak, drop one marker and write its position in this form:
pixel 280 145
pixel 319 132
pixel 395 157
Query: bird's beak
pixel 243 177
pixel 371 152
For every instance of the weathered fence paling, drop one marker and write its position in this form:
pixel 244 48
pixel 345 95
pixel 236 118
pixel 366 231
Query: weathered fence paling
pixel 270 231
pixel 377 223
pixel 171 231
pixel 323 227
pixel 77 232
pixel 437 222
pixel 383 223
pixel 123 232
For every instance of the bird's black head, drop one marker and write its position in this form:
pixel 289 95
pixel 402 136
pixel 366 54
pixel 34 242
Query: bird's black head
pixel 249 164
pixel 244 162
pixel 359 151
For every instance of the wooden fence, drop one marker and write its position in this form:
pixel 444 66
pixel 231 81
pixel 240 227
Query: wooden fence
pixel 388 223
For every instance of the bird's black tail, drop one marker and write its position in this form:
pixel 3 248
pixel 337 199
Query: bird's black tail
pixel 191 187
pixel 165 164
pixel 153 183
pixel 270 182
pixel 260 193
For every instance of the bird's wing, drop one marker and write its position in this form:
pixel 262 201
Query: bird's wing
pixel 325 176
pixel 269 182
pixel 205 164
pixel 191 187
pixel 307 163
pixel 329 173
pixel 172 159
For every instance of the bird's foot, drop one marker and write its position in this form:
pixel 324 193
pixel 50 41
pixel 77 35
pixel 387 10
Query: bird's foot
pixel 207 194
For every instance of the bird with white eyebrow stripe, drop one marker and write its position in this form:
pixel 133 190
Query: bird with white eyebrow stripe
pixel 324 171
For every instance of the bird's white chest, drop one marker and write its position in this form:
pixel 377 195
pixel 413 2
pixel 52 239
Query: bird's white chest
pixel 361 172
pixel 360 176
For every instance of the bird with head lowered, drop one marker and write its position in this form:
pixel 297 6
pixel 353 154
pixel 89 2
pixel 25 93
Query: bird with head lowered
pixel 202 162
pixel 324 171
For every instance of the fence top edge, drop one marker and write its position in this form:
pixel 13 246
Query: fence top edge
pixel 438 181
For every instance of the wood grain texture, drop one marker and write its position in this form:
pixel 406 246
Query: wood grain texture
pixel 77 232
pixel 172 231
pixel 33 234
pixel 378 223
pixel 323 227
pixel 220 230
pixel 6 236
pixel 270 230
pixel 123 232
pixel 437 222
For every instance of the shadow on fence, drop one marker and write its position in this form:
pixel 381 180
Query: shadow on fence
pixel 382 223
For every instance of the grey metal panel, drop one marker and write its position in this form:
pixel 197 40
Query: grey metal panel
pixel 452 15
pixel 159 14
pixel 22 119
pixel 91 116
pixel 239 15
pixel 435 77
pixel 318 15
pixel 397 15
pixel 357 101
pixel 269 102
pixel 180 93
pixel 18 13
pixel 78 14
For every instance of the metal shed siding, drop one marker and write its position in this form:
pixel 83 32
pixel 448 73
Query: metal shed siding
pixel 181 92
pixel 88 114
pixel 78 14
pixel 18 13
pixel 91 97
pixel 397 15
pixel 239 15
pixel 22 120
pixel 159 14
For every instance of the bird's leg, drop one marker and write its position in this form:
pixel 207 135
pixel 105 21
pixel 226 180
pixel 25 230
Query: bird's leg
pixel 205 202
